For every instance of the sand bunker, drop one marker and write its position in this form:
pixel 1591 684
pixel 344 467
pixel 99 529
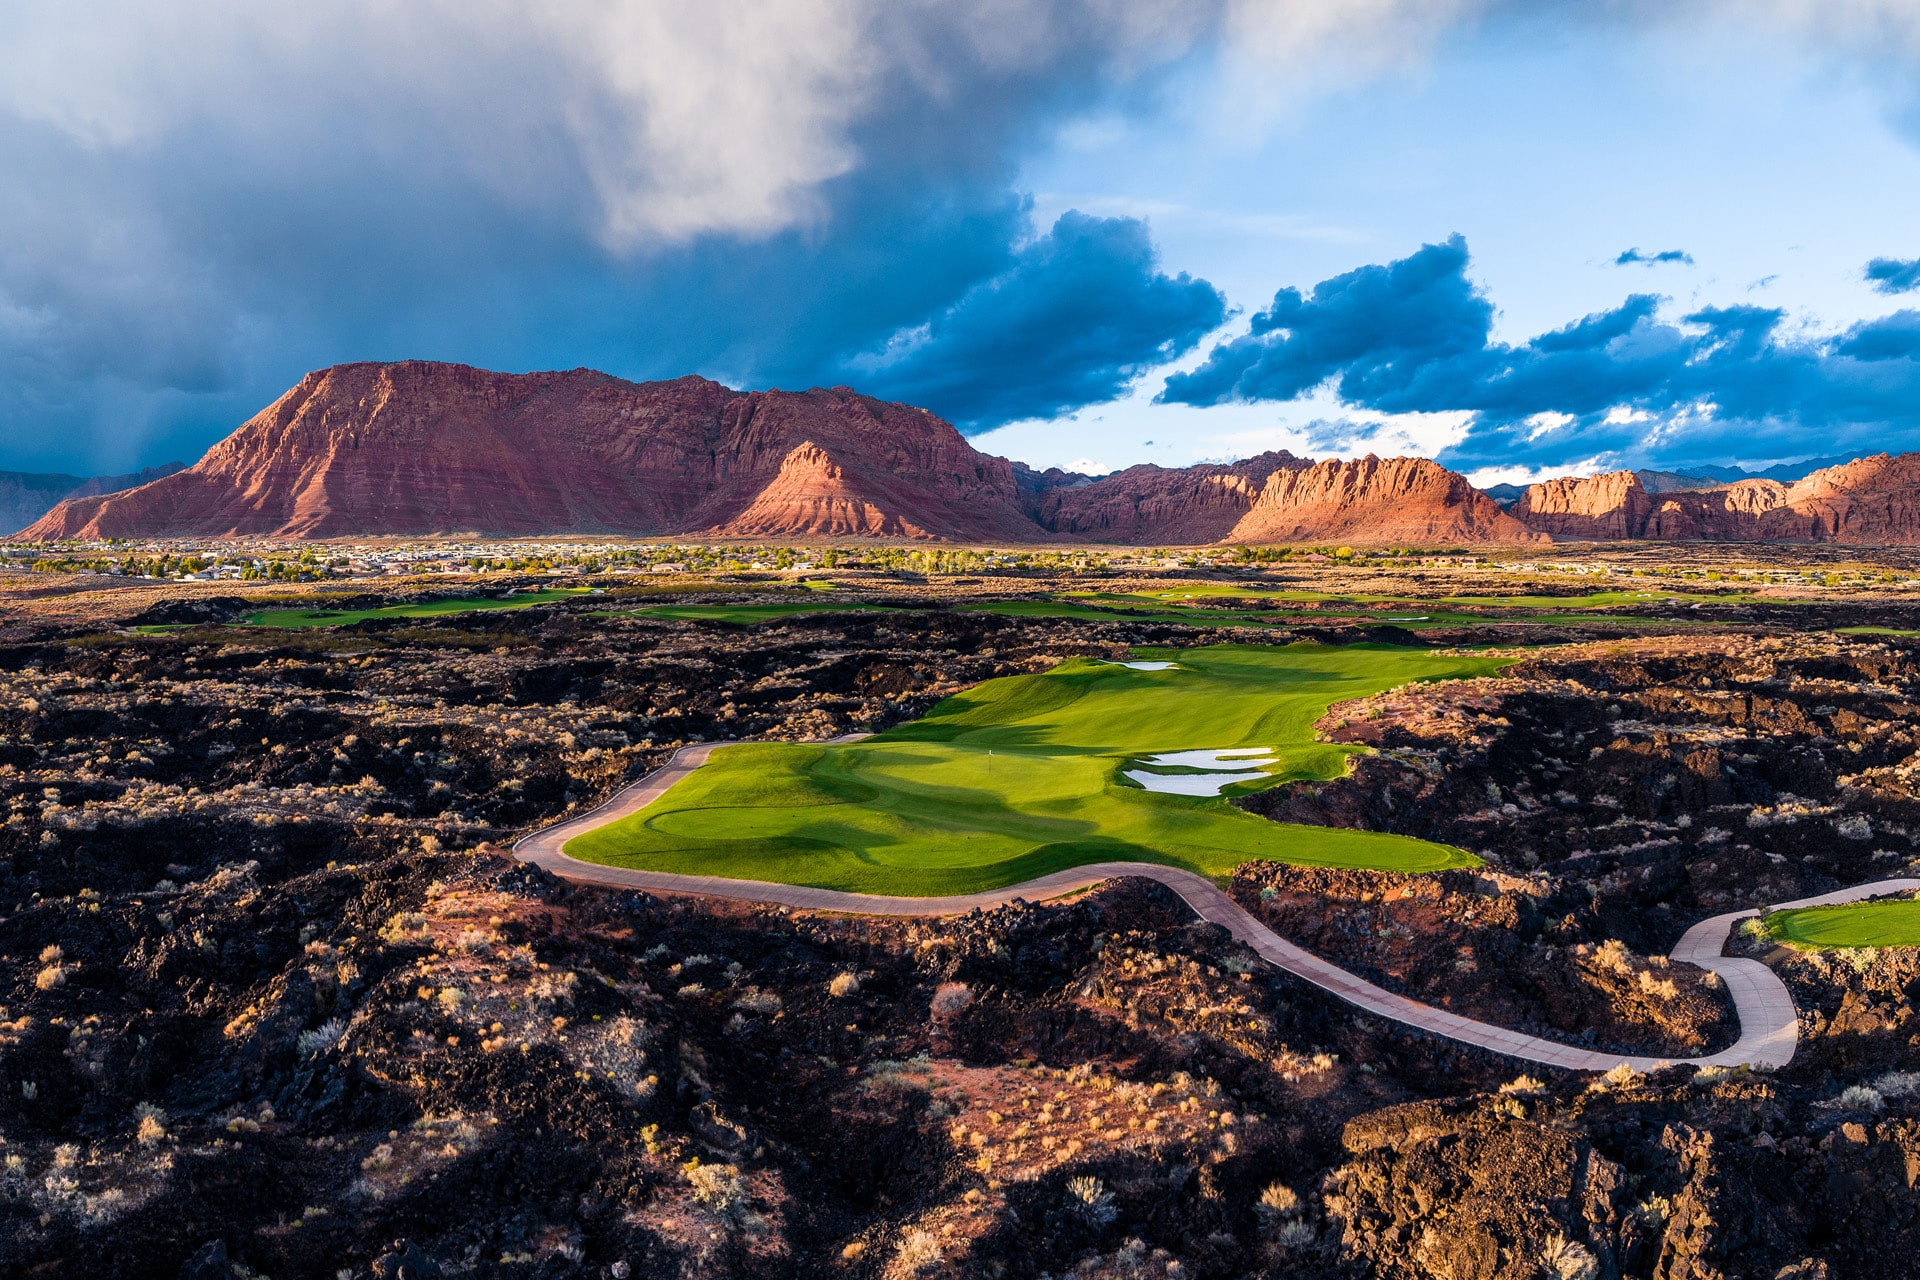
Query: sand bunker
pixel 1231 765
pixel 1142 666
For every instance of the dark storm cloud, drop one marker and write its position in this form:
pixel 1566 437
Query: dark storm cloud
pixel 1415 336
pixel 1633 257
pixel 1894 275
pixel 1376 328
pixel 1075 318
pixel 193 218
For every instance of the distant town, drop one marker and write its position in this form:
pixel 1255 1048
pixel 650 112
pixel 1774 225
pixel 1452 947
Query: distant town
pixel 306 562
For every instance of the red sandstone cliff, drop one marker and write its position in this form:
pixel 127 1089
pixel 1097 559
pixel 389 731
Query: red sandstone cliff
pixel 1374 501
pixel 1608 506
pixel 1149 505
pixel 420 448
pixel 1871 501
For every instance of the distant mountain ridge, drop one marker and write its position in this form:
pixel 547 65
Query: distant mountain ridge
pixel 1871 501
pixel 416 449
pixel 25 496
pixel 1694 477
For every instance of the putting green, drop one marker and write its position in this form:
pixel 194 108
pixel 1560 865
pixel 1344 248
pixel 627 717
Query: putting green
pixel 1021 776
pixel 1894 923
pixel 288 619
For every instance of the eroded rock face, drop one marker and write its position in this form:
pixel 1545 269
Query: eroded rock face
pixel 1608 506
pixel 1407 500
pixel 1870 501
pixel 419 448
pixel 1149 504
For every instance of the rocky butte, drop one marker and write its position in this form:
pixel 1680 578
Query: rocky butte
pixel 1870 501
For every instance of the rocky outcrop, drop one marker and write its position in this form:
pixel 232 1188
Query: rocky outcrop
pixel 1408 501
pixel 1614 505
pixel 1155 505
pixel 812 495
pixel 420 448
pixel 1871 501
pixel 1874 501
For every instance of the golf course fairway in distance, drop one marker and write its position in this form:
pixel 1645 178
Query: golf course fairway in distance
pixel 289 619
pixel 1020 776
pixel 1894 923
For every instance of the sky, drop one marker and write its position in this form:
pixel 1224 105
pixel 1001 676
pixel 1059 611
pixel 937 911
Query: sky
pixel 1522 238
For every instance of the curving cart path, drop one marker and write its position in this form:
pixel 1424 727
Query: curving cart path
pixel 1769 1024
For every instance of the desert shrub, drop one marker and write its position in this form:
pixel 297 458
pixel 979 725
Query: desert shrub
pixel 1524 1084
pixel 1278 1201
pixel 1092 1201
pixel 918 1251
pixel 1566 1259
pixel 1619 1076
pixel 1898 1084
pixel 716 1187
pixel 1294 1234
pixel 152 1124
pixel 950 998
pixel 552 987
pixel 1613 956
pixel 322 1038
pixel 473 942
pixel 754 1000
pixel 1661 987
pixel 844 985
pixel 1860 1097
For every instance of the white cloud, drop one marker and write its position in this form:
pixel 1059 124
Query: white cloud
pixel 1487 477
pixel 675 118
pixel 1548 422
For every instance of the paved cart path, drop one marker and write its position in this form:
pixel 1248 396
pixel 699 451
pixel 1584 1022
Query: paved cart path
pixel 1769 1026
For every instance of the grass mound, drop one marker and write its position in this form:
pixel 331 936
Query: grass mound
pixel 1893 923
pixel 1019 777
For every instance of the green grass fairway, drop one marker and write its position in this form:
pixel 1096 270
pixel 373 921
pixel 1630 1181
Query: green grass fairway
pixel 1589 600
pixel 1021 776
pixel 1114 608
pixel 288 619
pixel 746 615
pixel 1894 923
